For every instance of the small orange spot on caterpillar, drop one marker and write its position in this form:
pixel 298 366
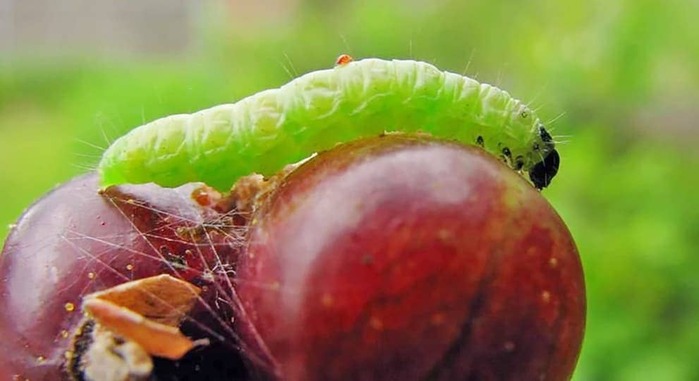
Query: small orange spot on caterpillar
pixel 343 59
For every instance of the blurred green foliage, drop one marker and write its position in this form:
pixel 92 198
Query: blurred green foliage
pixel 622 73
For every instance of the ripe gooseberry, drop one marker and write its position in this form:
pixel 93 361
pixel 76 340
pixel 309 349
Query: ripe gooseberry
pixel 409 258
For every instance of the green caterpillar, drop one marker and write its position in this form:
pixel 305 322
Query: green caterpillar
pixel 265 131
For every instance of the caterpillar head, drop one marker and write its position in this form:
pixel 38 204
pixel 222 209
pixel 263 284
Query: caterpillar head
pixel 544 171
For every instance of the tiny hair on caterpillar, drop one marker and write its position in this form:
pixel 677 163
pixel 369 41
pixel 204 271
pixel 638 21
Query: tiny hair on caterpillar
pixel 265 131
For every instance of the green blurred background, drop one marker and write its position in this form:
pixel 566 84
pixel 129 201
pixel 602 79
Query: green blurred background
pixel 617 80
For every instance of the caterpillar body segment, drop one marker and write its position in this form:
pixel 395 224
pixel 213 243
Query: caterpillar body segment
pixel 265 131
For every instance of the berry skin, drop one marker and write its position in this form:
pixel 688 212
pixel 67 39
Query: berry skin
pixel 75 241
pixel 408 258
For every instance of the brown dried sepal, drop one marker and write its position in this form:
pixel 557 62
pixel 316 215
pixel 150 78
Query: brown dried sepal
pixel 160 299
pixel 155 338
pixel 129 323
pixel 146 311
